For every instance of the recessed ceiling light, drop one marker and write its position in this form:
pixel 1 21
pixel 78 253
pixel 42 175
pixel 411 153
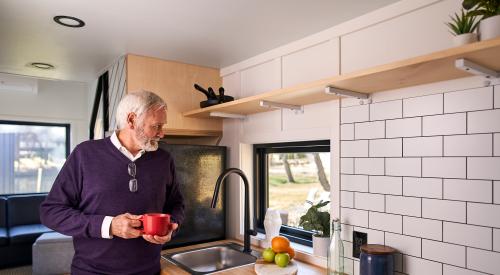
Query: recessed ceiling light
pixel 69 21
pixel 43 66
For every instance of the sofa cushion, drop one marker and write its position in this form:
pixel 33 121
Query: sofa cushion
pixel 26 233
pixel 3 237
pixel 3 212
pixel 24 209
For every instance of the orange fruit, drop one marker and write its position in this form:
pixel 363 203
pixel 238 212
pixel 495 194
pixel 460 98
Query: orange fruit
pixel 280 244
pixel 291 252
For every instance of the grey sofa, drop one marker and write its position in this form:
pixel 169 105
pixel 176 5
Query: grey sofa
pixel 20 226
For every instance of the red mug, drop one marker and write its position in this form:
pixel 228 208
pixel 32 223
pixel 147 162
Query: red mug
pixel 155 224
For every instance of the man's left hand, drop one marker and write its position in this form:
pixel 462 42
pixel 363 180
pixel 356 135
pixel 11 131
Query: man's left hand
pixel 161 239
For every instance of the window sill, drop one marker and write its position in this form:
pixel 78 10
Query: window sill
pixel 303 253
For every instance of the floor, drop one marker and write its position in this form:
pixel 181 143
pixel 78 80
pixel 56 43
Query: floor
pixel 21 270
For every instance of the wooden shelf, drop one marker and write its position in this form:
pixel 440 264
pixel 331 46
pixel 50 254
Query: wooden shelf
pixel 435 67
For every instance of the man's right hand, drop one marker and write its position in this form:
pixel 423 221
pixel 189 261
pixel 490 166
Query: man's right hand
pixel 126 226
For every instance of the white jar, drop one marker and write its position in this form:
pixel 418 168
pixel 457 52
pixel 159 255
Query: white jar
pixel 272 225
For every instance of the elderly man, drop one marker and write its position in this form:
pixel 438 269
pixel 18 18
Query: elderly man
pixel 104 187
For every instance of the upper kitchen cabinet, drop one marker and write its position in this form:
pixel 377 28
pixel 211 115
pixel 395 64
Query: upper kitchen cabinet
pixel 174 82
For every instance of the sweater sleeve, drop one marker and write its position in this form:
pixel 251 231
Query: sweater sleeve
pixel 174 203
pixel 60 210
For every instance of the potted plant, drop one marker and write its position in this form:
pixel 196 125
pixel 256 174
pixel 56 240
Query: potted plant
pixel 318 221
pixel 462 26
pixel 489 26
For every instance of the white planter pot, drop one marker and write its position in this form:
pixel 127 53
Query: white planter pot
pixel 489 28
pixel 466 38
pixel 320 245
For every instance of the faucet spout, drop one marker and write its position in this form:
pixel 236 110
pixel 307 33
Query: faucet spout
pixel 247 231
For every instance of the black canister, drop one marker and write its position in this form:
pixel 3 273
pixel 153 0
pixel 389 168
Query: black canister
pixel 376 259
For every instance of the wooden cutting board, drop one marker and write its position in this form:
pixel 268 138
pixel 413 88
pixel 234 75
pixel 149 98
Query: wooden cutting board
pixel 264 268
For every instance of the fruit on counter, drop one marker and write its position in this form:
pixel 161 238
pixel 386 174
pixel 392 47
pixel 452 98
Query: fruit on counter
pixel 282 259
pixel 291 252
pixel 280 244
pixel 268 255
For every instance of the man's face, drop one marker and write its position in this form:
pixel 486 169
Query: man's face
pixel 150 130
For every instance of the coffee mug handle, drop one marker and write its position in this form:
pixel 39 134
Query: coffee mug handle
pixel 142 225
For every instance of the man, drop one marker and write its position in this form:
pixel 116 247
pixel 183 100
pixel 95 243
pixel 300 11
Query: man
pixel 106 185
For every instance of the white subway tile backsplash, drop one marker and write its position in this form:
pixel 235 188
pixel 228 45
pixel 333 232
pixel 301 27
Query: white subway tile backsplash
pixel 347 165
pixel 443 252
pixel 347 131
pixel 386 222
pixel 347 199
pixel 406 127
pixel 444 210
pixel 497 96
pixel 423 187
pixel 496 192
pixel 404 244
pixel 374 236
pixel 404 205
pixel 468 235
pixel 354 114
pixel 485 261
pixel 354 217
pixel 468 100
pixel 386 185
pixel 496 142
pixel 386 147
pixel 369 166
pixel 452 124
pixel 346 232
pixel 468 145
pixel 453 270
pixel 468 190
pixel 423 147
pixel 403 167
pixel 369 130
pixel 423 105
pixel 354 183
pixel 447 167
pixel 496 239
pixel 358 148
pixel 367 201
pixel 425 228
pixel 418 266
pixel 386 110
pixel 483 214
pixel 483 168
pixel 483 121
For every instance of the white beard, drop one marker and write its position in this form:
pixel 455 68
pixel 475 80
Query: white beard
pixel 147 144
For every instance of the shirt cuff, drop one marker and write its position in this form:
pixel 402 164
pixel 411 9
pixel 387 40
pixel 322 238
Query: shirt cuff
pixel 105 228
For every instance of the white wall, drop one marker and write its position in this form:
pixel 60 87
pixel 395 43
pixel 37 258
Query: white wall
pixel 56 101
pixel 419 165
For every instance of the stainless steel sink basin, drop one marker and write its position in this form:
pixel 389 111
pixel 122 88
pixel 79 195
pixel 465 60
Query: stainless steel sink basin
pixel 212 259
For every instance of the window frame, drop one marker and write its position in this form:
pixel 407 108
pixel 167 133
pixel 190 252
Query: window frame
pixel 67 127
pixel 261 185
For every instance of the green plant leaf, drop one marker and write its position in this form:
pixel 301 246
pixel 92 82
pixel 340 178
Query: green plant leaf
pixel 316 220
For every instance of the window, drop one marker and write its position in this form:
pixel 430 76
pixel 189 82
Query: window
pixel 289 177
pixel 31 155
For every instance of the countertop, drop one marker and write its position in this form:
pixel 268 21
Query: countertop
pixel 168 268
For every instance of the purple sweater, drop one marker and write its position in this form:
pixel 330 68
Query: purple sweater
pixel 92 184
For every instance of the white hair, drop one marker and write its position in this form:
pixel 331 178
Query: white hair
pixel 138 103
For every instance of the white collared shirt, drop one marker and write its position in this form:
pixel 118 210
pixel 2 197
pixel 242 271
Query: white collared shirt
pixel 106 223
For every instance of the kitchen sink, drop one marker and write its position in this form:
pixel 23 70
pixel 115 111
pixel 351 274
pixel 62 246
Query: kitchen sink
pixel 212 259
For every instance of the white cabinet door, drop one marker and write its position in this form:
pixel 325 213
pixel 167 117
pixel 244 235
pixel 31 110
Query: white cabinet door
pixel 419 32
pixel 313 63
pixel 261 78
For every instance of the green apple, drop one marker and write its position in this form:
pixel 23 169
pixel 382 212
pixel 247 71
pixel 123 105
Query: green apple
pixel 282 259
pixel 268 255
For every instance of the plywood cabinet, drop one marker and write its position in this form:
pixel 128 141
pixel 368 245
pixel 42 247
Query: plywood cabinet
pixel 174 81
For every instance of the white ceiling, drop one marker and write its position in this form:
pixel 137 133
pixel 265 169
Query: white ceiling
pixel 214 33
